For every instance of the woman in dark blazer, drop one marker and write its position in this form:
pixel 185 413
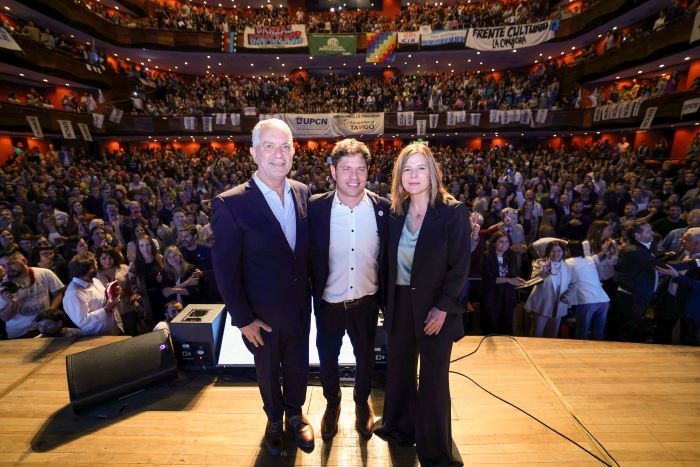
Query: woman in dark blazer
pixel 428 264
pixel 499 277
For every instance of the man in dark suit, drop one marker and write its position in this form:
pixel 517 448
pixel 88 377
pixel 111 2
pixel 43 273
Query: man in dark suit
pixel 348 237
pixel 260 256
pixel 638 280
pixel 683 292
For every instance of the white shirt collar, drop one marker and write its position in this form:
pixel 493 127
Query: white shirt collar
pixel 266 189
pixel 78 281
pixel 365 199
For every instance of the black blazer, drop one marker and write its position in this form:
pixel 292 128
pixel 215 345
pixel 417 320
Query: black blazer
pixel 258 274
pixel 635 269
pixel 320 232
pixel 440 264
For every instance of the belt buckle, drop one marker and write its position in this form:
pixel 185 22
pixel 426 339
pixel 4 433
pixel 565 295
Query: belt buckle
pixel 348 304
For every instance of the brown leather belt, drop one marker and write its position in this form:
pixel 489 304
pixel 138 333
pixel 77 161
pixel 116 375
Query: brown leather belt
pixel 350 304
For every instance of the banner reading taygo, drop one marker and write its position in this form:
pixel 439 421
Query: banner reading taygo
pixel 509 37
pixel 326 44
pixel 332 125
pixel 275 37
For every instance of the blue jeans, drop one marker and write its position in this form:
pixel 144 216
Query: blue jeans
pixel 591 316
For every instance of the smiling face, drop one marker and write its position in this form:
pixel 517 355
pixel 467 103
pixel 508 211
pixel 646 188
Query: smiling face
pixel 273 155
pixel 106 261
pixel 350 175
pixel 415 176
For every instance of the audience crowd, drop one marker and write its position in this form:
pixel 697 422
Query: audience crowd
pixel 348 93
pixel 185 16
pixel 140 219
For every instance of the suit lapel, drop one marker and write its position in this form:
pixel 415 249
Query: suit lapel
pixel 395 226
pixel 325 225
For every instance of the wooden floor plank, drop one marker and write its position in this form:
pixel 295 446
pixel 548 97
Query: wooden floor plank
pixel 642 402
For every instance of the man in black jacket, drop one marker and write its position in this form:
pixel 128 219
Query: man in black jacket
pixel 348 237
pixel 638 280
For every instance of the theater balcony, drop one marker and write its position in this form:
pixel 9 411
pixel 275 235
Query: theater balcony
pixel 121 36
pixel 668 110
pixel 38 58
pixel 674 38
pixel 67 12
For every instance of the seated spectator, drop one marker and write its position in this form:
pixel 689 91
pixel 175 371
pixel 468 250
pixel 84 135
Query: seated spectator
pixel 111 268
pixel 172 309
pixel 673 220
pixel 86 301
pixel 50 324
pixel 181 280
pixel 45 256
pixel 12 98
pixel 24 293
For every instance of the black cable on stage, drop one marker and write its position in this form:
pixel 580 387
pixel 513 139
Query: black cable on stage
pixel 527 413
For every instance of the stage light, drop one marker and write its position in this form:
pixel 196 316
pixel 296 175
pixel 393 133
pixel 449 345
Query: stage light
pixel 21 74
pixel 45 80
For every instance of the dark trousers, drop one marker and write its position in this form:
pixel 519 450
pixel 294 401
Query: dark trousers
pixel 418 412
pixel 286 346
pixel 360 322
pixel 631 310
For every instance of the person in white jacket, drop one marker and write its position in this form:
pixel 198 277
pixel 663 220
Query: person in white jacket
pixel 586 292
pixel 545 301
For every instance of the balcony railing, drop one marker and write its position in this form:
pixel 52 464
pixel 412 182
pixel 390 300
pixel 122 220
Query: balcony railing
pixel 14 121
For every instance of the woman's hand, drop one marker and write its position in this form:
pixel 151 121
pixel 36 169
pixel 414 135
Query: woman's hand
pixel 516 281
pixel 434 321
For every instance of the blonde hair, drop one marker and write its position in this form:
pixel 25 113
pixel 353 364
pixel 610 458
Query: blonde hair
pixel 436 189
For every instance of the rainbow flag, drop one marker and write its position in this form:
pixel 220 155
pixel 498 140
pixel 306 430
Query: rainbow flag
pixel 228 42
pixel 381 47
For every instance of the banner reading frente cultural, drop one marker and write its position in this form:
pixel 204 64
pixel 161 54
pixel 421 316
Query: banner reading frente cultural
pixel 509 37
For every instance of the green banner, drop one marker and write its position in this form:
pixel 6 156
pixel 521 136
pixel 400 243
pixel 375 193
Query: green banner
pixel 327 44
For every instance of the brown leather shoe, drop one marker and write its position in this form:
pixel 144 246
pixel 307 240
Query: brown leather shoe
pixel 303 432
pixel 329 422
pixel 273 438
pixel 364 420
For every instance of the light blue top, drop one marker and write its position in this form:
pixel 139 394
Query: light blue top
pixel 284 214
pixel 404 254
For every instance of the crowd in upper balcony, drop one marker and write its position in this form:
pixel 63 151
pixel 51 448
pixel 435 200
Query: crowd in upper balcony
pixel 173 95
pixel 185 16
pixel 59 42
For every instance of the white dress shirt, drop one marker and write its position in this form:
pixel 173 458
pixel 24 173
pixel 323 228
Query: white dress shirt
pixel 352 252
pixel 284 213
pixel 84 304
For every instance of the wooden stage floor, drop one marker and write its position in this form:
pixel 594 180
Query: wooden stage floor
pixel 641 402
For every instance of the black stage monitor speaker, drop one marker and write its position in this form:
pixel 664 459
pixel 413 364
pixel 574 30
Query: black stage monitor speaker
pixel 118 369
pixel 197 332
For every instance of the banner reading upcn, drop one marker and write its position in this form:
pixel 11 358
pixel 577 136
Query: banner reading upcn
pixel 326 44
pixel 275 37
pixel 333 125
pixel 509 37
